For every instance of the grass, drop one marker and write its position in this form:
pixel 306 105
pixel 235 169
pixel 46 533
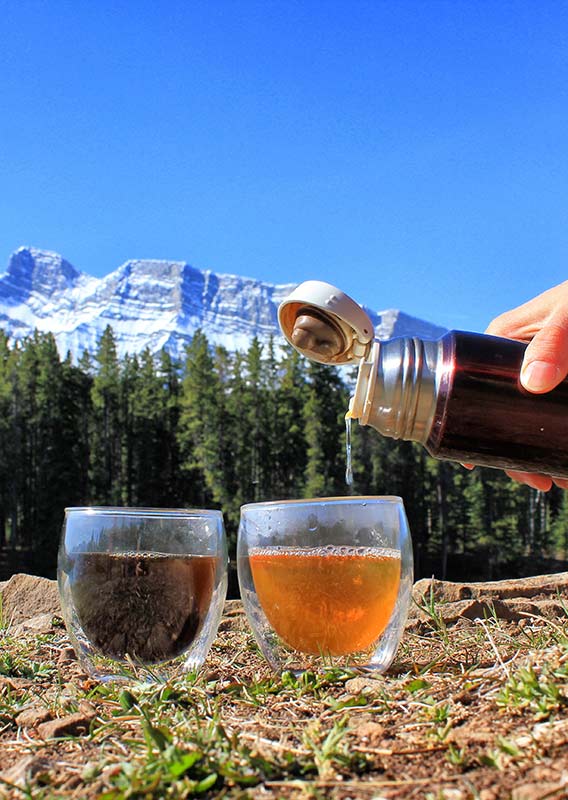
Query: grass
pixel 465 708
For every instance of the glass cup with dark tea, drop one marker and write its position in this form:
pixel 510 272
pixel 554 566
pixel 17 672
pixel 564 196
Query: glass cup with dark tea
pixel 326 582
pixel 142 589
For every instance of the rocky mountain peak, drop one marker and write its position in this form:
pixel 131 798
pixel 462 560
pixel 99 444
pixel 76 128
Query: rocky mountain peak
pixel 151 303
pixel 40 271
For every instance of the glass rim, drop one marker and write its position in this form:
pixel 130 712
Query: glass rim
pixel 132 511
pixel 315 501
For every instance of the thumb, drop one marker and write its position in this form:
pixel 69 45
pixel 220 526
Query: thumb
pixel 545 363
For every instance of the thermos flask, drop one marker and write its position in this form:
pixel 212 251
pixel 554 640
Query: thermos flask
pixel 460 395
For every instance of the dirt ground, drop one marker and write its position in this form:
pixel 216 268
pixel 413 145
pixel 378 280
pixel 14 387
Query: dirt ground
pixel 472 708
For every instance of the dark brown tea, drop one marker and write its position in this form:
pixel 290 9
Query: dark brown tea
pixel 149 606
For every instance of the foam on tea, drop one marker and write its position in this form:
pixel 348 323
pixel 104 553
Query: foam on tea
pixel 327 600
pixel 149 606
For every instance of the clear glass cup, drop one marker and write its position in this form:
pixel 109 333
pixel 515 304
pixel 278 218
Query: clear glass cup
pixel 326 582
pixel 142 589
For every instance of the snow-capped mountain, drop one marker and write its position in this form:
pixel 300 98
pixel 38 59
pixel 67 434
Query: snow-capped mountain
pixel 151 304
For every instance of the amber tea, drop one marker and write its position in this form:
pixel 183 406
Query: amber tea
pixel 334 600
pixel 147 606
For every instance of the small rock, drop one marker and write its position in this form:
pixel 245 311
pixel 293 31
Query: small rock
pixel 363 683
pixel 66 656
pixel 87 708
pixel 23 772
pixel 41 623
pixel 552 608
pixel 369 732
pixel 489 794
pixel 15 683
pixel 536 791
pixel 233 608
pixel 72 725
pixel 470 733
pixel 31 717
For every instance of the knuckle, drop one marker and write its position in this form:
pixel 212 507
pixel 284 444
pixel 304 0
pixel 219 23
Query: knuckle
pixel 551 342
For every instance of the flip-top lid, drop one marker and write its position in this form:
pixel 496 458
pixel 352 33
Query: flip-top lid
pixel 325 324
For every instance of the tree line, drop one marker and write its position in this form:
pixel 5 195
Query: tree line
pixel 219 429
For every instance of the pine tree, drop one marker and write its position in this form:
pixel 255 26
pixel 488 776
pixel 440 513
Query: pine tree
pixel 6 452
pixel 168 373
pixel 106 432
pixel 55 458
pixel 76 414
pixel 326 404
pixel 237 412
pixel 257 424
pixel 227 470
pixel 198 424
pixel 495 505
pixel 149 426
pixel 15 445
pixel 288 443
pixel 128 393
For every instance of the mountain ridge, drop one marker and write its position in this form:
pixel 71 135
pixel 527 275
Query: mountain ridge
pixel 152 303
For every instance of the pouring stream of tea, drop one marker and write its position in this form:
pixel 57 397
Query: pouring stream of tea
pixel 348 462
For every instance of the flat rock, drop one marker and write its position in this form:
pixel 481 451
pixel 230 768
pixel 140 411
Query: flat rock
pixel 27 596
pixel 450 592
pixel 41 623
pixel 72 725
pixel 510 600
pixel 30 717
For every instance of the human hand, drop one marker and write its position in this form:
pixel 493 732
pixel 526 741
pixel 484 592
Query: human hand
pixel 543 323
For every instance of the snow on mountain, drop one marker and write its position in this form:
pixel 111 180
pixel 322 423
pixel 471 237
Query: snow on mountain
pixel 151 304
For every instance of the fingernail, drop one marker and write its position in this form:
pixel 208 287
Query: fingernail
pixel 540 376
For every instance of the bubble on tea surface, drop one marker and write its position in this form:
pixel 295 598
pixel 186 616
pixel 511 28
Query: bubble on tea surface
pixel 325 550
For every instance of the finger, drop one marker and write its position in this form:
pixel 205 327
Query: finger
pixel 545 363
pixel 525 321
pixel 540 482
pixel 512 325
pixel 562 483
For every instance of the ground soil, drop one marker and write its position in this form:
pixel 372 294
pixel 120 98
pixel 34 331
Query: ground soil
pixel 471 708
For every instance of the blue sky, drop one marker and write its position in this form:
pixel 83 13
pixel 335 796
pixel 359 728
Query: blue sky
pixel 413 153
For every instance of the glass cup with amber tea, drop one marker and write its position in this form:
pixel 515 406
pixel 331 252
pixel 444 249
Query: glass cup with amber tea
pixel 326 582
pixel 142 590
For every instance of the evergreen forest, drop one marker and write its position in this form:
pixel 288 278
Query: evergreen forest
pixel 217 430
